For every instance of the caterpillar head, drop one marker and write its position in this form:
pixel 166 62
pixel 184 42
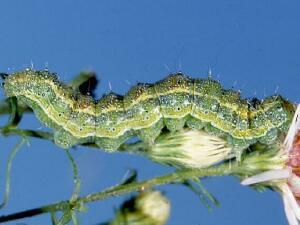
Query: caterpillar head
pixel 280 111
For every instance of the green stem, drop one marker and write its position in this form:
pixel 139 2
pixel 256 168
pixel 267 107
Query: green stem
pixel 5 107
pixel 11 130
pixel 175 177
pixel 8 171
pixel 76 178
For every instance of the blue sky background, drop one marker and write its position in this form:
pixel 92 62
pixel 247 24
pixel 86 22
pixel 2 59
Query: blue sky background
pixel 250 45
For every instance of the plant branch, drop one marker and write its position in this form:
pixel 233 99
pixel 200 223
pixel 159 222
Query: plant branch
pixel 11 130
pixel 5 107
pixel 175 177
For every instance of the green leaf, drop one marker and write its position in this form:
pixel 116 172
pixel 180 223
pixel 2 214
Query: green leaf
pixel 205 196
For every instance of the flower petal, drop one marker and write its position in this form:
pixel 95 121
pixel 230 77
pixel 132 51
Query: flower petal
pixel 270 175
pixel 287 193
pixel 294 184
pixel 295 126
pixel 289 212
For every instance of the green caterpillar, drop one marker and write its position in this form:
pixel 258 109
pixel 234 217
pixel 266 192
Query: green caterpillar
pixel 173 102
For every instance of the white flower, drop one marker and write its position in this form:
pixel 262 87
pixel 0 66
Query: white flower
pixel 286 178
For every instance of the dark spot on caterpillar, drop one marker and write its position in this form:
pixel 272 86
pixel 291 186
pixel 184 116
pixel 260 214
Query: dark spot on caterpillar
pixel 178 108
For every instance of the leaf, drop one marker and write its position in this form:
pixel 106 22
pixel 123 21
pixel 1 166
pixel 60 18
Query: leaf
pixel 130 177
pixel 206 197
pixel 86 83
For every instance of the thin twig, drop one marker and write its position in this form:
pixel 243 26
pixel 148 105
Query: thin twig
pixel 175 177
pixel 8 170
pixel 6 131
pixel 5 107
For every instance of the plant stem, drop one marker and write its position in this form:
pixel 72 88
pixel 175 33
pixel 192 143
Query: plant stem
pixel 8 171
pixel 175 177
pixel 5 107
pixel 10 130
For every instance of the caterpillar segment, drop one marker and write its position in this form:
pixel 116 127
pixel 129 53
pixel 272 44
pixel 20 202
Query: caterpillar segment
pixel 173 102
pixel 142 109
pixel 111 129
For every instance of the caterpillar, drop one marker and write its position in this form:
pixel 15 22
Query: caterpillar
pixel 172 103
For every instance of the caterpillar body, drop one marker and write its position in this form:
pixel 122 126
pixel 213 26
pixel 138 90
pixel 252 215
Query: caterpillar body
pixel 173 102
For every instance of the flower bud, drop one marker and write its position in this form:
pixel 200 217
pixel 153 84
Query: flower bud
pixel 189 148
pixel 263 158
pixel 148 208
